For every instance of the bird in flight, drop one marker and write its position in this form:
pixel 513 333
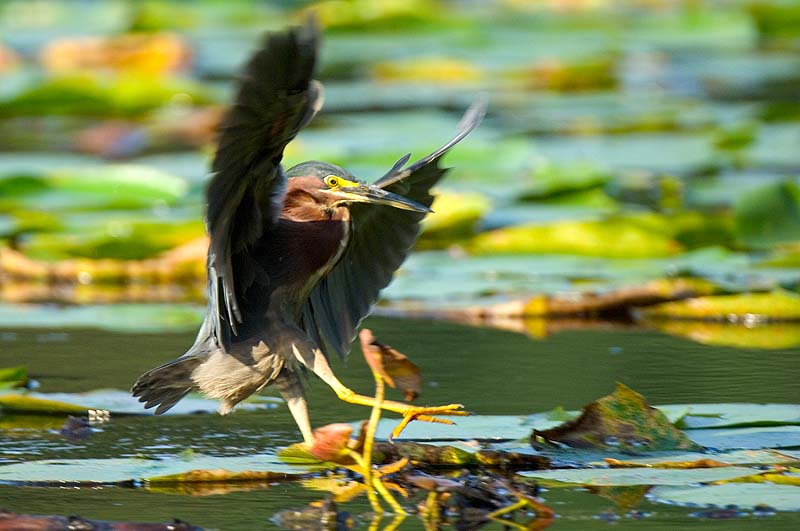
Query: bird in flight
pixel 296 257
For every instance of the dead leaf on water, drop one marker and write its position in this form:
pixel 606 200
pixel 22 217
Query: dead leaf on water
pixel 621 421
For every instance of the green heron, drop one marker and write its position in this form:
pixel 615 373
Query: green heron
pixel 297 258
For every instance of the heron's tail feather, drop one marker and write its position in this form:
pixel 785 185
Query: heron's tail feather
pixel 165 385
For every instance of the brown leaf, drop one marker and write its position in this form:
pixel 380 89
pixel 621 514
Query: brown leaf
pixel 621 421
pixel 700 463
pixel 395 368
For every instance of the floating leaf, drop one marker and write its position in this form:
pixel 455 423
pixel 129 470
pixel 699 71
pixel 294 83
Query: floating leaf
pixel 84 95
pixel 768 336
pixel 694 416
pixel 11 377
pixel 741 495
pixel 113 401
pixel 170 470
pixel 706 460
pixel 621 421
pixel 746 307
pixel 150 54
pixel 636 476
pixel 9 520
pixel 119 317
pixel 109 186
pixel 753 438
pixel 611 238
pixel 769 215
pixel 455 216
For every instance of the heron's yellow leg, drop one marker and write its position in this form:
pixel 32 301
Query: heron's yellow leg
pixel 318 363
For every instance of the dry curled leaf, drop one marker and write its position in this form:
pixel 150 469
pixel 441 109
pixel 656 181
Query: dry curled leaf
pixel 394 367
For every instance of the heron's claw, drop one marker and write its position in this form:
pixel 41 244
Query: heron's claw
pixel 427 414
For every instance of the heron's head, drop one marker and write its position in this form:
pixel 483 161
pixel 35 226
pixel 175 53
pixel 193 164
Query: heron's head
pixel 332 186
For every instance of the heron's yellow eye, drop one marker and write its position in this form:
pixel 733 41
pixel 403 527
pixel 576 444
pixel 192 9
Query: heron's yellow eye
pixel 332 181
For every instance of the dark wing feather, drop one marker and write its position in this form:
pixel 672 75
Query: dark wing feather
pixel 380 240
pixel 276 98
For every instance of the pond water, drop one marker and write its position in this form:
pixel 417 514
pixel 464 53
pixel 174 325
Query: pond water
pixel 490 371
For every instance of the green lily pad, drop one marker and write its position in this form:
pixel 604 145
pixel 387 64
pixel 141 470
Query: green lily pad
pixel 735 457
pixel 769 215
pixel 754 438
pixel 611 238
pixel 746 307
pixel 115 402
pixel 118 317
pixel 741 495
pixel 84 95
pixel 91 187
pixel 11 377
pixel 695 416
pixel 172 470
pixel 637 476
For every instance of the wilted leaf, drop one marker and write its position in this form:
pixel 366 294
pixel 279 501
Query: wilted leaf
pixel 142 53
pixel 395 368
pixel 622 421
pixel 700 463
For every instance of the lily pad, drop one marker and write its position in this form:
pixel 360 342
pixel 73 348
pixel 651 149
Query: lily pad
pixel 91 187
pixel 736 457
pixel 746 307
pixel 114 401
pixel 741 495
pixel 769 215
pixel 11 377
pixel 637 476
pixel 125 470
pixel 118 317
pixel 694 416
pixel 768 336
pixel 611 238
pixel 754 438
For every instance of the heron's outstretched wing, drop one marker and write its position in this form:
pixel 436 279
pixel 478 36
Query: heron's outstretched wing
pixel 381 238
pixel 276 98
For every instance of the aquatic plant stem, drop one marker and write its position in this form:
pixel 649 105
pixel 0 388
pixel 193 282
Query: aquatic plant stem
pixel 363 464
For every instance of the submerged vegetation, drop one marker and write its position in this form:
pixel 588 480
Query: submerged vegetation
pixel 633 196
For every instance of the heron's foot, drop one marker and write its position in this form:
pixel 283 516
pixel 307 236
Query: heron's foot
pixel 409 412
pixel 427 414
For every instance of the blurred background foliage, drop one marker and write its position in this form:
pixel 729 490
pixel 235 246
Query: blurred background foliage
pixel 653 138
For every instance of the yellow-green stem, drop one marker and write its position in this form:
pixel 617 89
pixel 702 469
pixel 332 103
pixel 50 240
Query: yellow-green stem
pixel 381 488
pixel 373 498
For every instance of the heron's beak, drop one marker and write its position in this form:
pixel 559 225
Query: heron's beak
pixel 372 194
